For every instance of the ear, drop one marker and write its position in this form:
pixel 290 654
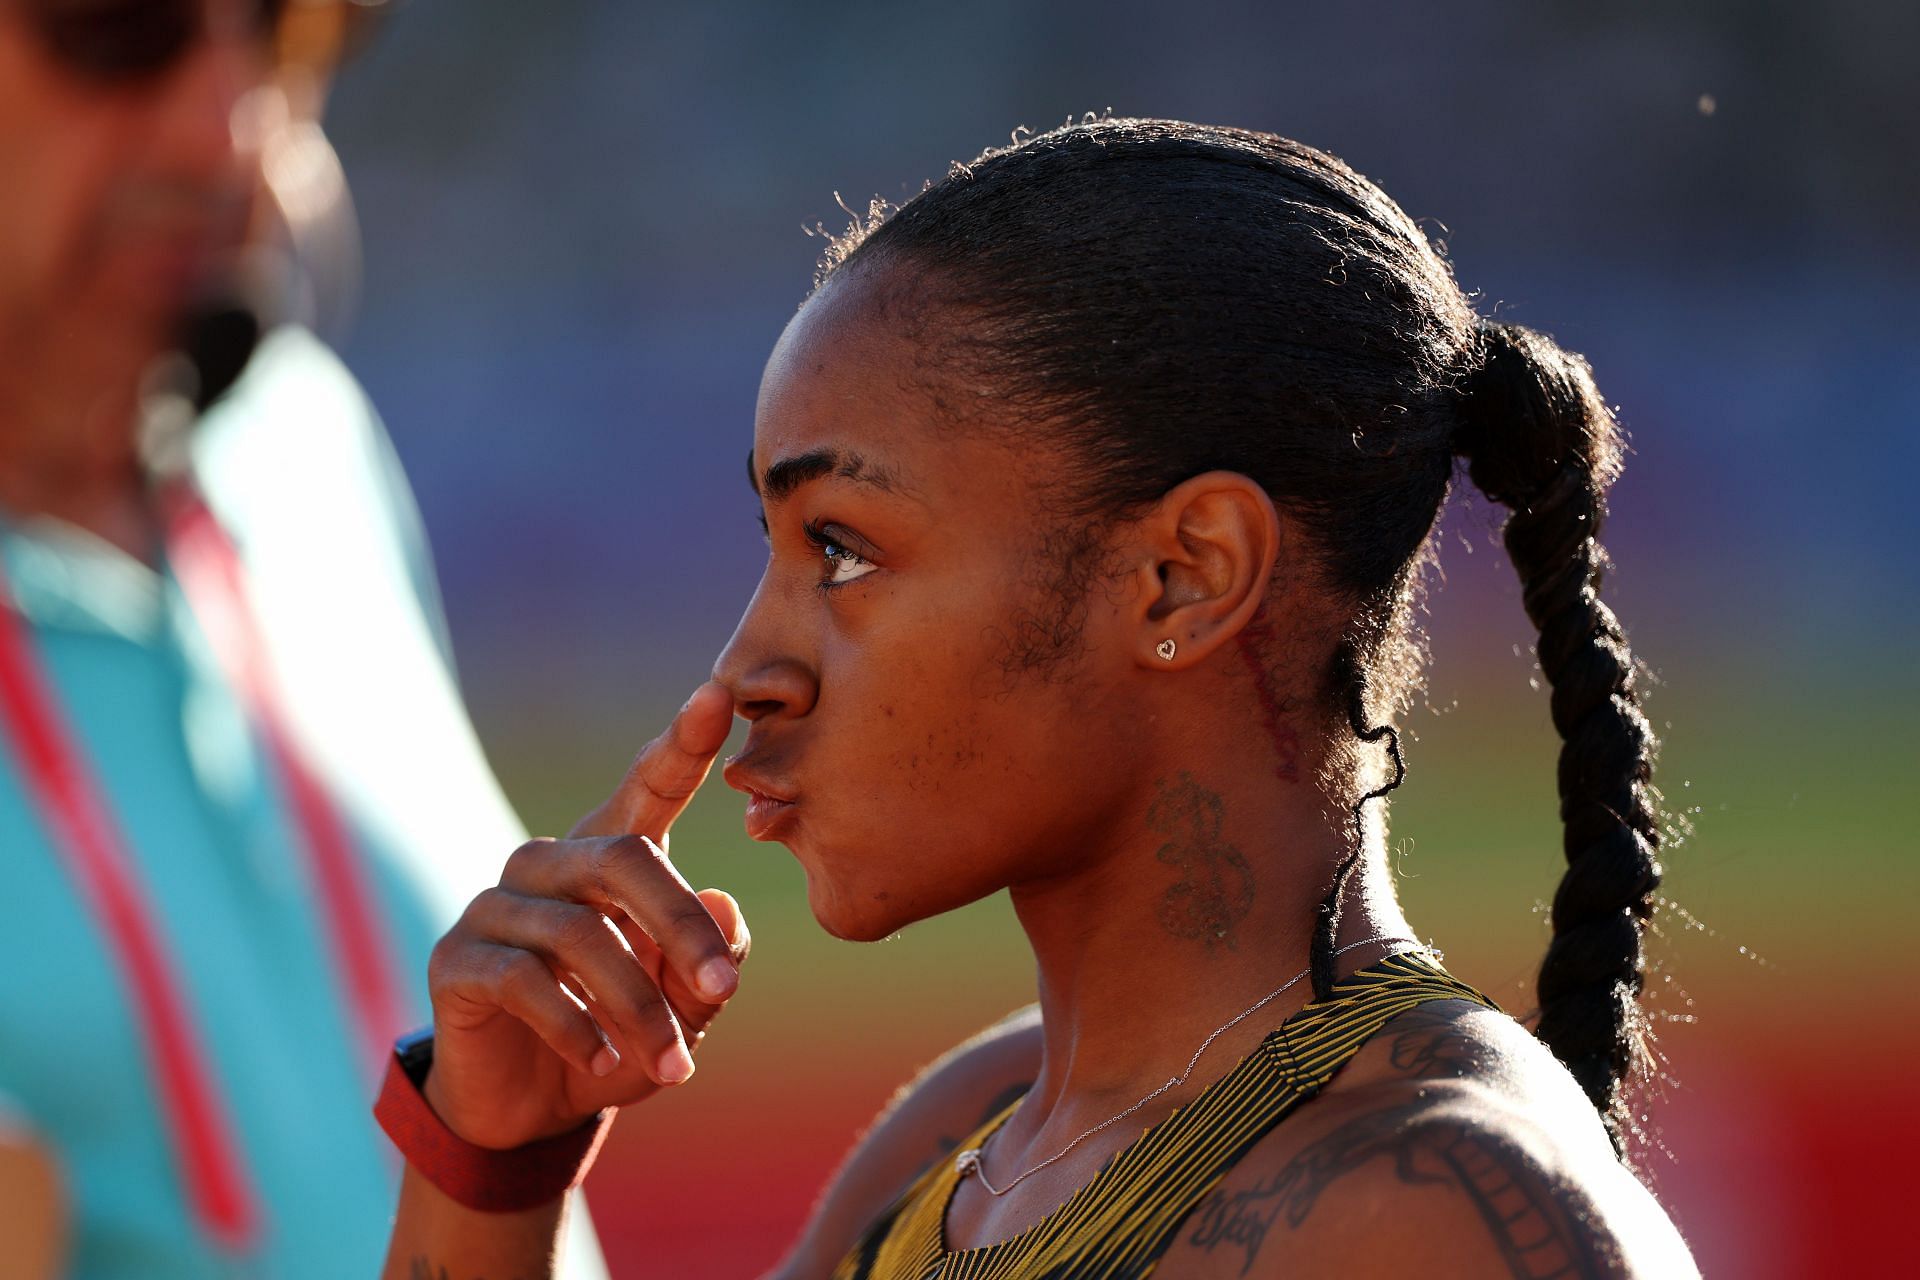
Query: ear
pixel 1206 554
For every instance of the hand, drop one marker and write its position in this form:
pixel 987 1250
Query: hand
pixel 587 976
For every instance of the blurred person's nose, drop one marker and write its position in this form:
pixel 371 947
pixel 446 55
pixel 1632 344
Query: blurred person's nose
pixel 205 125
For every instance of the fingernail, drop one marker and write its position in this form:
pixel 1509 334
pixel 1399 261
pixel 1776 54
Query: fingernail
pixel 676 1064
pixel 604 1061
pixel 718 978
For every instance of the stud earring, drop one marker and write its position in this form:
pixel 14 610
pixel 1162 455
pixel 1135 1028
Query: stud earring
pixel 1165 649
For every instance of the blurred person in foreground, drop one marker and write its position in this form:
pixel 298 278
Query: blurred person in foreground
pixel 1099 482
pixel 238 791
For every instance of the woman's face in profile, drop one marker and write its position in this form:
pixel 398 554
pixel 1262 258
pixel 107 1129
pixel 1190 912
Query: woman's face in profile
pixel 933 698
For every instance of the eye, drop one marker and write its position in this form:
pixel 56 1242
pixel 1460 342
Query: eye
pixel 841 563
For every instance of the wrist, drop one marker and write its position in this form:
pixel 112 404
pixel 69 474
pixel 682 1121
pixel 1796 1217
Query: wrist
pixel 431 1086
pixel 410 1110
pixel 432 1231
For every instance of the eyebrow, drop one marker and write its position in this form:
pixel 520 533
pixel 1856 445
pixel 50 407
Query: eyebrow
pixel 783 477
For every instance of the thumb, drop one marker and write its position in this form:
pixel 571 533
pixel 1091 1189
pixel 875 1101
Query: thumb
pixel 690 1008
pixel 733 925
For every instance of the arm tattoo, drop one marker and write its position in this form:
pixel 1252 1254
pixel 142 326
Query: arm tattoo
pixel 1237 1219
pixel 1215 889
pixel 1428 1044
pixel 1540 1230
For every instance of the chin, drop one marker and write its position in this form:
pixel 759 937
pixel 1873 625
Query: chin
pixel 856 917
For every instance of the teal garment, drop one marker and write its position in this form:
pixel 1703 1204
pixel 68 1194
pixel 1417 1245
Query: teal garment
pixel 300 473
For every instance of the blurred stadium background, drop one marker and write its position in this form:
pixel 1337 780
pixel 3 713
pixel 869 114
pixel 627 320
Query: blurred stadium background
pixel 583 229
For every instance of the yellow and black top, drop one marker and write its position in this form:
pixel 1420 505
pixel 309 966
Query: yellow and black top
pixel 1120 1223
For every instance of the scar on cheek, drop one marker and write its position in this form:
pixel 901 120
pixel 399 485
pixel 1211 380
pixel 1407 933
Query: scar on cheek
pixel 1253 644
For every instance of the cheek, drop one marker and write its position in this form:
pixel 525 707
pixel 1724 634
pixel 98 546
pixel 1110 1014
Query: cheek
pixel 53 250
pixel 949 770
pixel 929 757
pixel 28 217
pixel 944 728
pixel 936 721
pixel 50 144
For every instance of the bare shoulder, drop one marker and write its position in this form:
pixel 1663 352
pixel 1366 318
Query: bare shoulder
pixel 927 1119
pixel 1453 1145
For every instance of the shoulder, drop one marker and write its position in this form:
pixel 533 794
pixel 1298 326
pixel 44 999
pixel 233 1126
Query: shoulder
pixel 295 400
pixel 296 450
pixel 926 1120
pixel 1453 1146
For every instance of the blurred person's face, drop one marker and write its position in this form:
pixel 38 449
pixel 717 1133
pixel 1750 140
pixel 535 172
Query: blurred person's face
pixel 909 744
pixel 129 175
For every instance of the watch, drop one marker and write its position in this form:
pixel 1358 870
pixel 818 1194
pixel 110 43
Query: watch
pixel 482 1178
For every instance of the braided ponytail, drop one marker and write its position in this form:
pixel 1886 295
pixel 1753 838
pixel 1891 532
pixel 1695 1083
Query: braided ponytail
pixel 1539 440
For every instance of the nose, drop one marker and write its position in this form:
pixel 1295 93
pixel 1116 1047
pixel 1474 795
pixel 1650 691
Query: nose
pixel 762 666
pixel 196 121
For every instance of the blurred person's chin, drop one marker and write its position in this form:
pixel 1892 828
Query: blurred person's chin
pixel 138 281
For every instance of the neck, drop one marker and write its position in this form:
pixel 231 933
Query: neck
pixel 68 450
pixel 1206 909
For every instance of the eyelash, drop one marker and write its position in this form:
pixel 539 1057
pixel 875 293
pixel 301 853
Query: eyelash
pixel 831 549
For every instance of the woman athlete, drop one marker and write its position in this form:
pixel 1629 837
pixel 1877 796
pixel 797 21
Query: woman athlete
pixel 1099 482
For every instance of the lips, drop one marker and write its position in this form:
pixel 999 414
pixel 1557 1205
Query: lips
pixel 771 804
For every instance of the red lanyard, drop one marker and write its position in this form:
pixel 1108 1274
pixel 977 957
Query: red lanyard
pixel 77 814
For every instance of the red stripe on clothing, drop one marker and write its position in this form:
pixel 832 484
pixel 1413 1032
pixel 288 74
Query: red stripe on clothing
pixel 74 808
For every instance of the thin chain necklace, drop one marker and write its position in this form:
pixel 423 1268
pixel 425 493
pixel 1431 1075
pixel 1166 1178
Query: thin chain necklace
pixel 968 1163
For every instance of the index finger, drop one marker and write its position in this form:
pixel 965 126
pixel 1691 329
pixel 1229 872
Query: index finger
pixel 667 772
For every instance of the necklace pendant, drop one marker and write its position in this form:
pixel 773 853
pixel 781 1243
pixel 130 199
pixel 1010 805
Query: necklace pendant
pixel 967 1163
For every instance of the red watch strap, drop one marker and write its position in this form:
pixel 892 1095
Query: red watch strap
pixel 480 1177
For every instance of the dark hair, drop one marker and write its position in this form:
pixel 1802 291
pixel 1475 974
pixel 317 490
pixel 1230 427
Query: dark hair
pixel 1171 299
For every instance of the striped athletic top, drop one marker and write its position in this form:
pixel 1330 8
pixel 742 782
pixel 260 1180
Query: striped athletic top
pixel 1120 1223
